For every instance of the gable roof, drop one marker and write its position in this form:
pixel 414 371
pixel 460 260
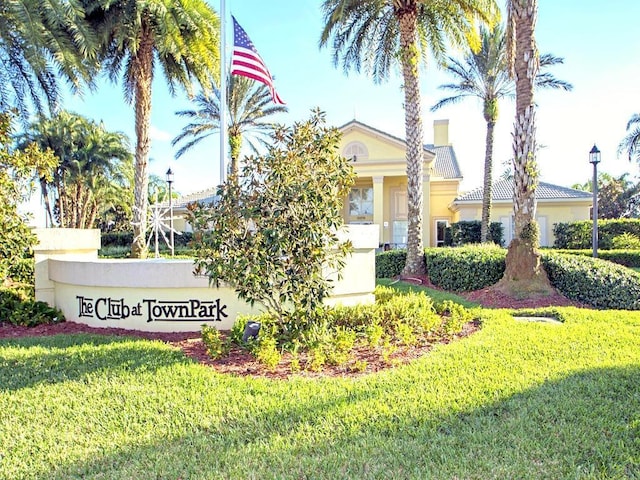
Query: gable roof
pixel 502 190
pixel 445 165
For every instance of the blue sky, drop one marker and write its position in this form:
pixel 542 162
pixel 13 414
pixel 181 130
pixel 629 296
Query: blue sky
pixel 598 41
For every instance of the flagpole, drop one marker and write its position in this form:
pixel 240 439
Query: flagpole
pixel 223 91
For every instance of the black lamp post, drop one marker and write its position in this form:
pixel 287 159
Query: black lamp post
pixel 170 182
pixel 594 159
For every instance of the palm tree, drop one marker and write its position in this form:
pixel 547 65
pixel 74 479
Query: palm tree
pixel 630 144
pixel 39 41
pixel 249 105
pixel 180 37
pixel 380 33
pixel 91 159
pixel 524 273
pixel 484 74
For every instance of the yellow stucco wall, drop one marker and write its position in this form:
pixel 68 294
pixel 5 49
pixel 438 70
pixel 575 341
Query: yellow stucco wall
pixel 386 163
pixel 552 211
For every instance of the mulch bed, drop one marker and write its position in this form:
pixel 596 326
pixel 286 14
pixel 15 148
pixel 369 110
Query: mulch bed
pixel 241 363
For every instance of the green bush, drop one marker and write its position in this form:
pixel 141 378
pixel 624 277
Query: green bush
pixel 22 271
pixel 18 307
pixel 468 232
pixel 390 264
pixel 594 281
pixel 215 344
pixel 628 258
pixel 626 241
pixel 578 235
pixel 461 269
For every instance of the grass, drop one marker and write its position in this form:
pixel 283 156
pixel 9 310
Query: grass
pixel 438 296
pixel 515 400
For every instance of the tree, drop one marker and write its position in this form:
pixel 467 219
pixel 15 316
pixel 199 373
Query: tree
pixel 484 74
pixel 39 41
pixel 617 197
pixel 380 33
pixel 92 168
pixel 250 104
pixel 272 235
pixel 16 170
pixel 630 144
pixel 524 274
pixel 180 37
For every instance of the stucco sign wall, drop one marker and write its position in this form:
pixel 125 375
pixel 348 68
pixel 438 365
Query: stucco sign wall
pixel 163 295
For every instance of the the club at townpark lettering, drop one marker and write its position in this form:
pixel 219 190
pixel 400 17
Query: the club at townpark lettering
pixel 152 310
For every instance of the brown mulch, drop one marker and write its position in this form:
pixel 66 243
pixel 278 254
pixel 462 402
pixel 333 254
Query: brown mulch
pixel 240 362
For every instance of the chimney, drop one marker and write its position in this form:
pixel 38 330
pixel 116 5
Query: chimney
pixel 441 133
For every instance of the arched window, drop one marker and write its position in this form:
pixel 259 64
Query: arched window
pixel 356 151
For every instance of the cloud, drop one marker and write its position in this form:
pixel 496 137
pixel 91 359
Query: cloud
pixel 159 135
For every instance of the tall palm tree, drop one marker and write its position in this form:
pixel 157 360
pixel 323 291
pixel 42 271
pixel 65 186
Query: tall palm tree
pixel 90 157
pixel 524 273
pixel 41 40
pixel 630 144
pixel 484 74
pixel 249 106
pixel 179 36
pixel 379 33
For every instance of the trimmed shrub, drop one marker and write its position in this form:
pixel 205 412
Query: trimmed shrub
pixel 594 281
pixel 390 264
pixel 628 258
pixel 626 241
pixel 578 235
pixel 465 269
pixel 468 232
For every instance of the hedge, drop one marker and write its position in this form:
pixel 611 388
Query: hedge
pixel 464 269
pixel 578 235
pixel 468 232
pixel 593 281
pixel 125 239
pixel 628 258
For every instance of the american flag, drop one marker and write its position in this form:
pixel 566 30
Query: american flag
pixel 246 62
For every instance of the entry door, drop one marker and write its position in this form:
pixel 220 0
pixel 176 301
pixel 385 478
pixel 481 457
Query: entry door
pixel 399 215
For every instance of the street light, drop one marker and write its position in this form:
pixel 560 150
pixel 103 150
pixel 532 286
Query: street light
pixel 169 182
pixel 594 159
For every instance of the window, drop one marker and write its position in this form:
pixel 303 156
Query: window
pixel 441 229
pixel 361 202
pixel 356 151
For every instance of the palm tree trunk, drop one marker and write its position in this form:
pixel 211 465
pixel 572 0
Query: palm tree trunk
pixel 47 202
pixel 524 274
pixel 144 76
pixel 415 264
pixel 235 144
pixel 488 180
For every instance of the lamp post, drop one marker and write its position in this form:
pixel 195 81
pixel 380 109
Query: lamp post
pixel 169 182
pixel 594 159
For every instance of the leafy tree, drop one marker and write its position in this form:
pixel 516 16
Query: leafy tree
pixel 630 144
pixel 249 107
pixel 92 172
pixel 178 36
pixel 39 41
pixel 617 197
pixel 381 33
pixel 272 235
pixel 16 170
pixel 484 74
pixel 524 273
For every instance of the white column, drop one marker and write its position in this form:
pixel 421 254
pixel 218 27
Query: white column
pixel 378 205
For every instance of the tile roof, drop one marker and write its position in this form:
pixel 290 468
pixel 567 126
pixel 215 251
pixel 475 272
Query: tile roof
pixel 446 164
pixel 503 190
pixel 203 196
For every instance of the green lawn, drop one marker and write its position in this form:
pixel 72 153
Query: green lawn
pixel 516 400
